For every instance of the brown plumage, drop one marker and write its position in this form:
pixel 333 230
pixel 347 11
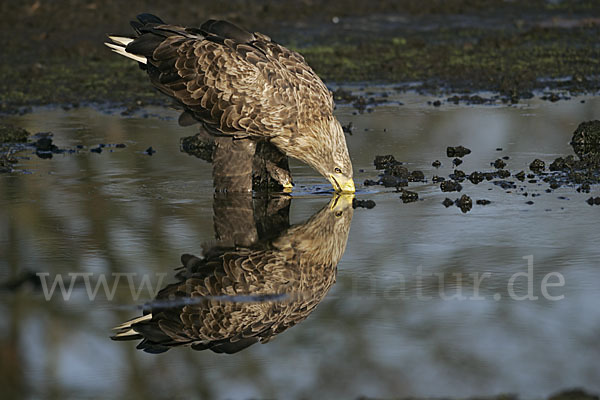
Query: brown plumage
pixel 240 295
pixel 244 85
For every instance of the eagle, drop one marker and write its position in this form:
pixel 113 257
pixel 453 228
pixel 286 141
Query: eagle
pixel 245 86
pixel 248 288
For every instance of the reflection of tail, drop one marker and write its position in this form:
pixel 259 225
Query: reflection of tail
pixel 126 332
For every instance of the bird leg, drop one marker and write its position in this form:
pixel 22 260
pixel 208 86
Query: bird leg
pixel 241 165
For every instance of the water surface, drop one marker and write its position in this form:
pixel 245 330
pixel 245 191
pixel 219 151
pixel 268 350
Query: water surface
pixel 422 304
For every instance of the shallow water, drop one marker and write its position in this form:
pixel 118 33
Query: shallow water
pixel 422 305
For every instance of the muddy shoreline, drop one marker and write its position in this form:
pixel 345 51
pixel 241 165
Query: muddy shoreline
pixel 53 52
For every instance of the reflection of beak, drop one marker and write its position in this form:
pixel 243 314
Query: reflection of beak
pixel 341 201
pixel 344 186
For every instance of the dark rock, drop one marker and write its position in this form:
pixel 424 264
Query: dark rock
pixel 499 164
pixel 150 151
pixel 450 186
pixel 368 204
pixel 447 202
pixel 393 181
pixel 458 151
pixel 382 162
pixel 96 150
pixel 457 161
pixel 396 169
pixel 584 188
pixel 529 202
pixel 120 145
pixel 594 201
pixel 45 144
pixel 464 203
pixel 416 176
pixel 369 182
pixel 537 165
pixel 437 103
pixel 476 177
pixel 458 175
pixel 483 202
pixel 438 179
pixel 520 176
pixel 502 173
pixel 436 164
pixel 586 142
pixel 408 197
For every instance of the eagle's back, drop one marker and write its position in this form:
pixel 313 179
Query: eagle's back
pixel 234 81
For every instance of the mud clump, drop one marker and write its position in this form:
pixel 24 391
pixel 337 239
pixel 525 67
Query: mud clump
pixel 499 164
pixel 12 134
pixel 447 202
pixel 593 201
pixel 476 177
pixel 394 173
pixel 586 142
pixel 408 197
pixel 368 204
pixel 397 170
pixel 416 176
pixel 458 175
pixel 382 162
pixel 537 165
pixel 450 186
pixel 458 151
pixel 520 176
pixel 149 151
pixel 464 203
pixel 44 147
pixel 470 100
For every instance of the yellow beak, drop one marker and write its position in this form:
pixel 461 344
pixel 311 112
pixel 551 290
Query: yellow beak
pixel 341 184
pixel 341 201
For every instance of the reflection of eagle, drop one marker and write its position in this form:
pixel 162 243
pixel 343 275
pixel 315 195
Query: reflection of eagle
pixel 243 85
pixel 246 290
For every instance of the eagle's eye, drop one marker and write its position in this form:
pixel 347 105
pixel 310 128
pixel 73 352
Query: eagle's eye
pixel 337 170
pixel 338 213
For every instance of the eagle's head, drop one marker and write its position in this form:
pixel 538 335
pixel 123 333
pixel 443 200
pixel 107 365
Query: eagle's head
pixel 322 145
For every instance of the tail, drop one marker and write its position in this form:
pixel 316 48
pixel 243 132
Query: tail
pixel 126 330
pixel 119 45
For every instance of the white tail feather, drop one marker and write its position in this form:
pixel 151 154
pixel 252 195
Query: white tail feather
pixel 120 49
pixel 121 40
pixel 127 324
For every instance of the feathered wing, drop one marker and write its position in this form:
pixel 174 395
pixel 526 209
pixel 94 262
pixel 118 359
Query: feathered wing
pixel 223 324
pixel 300 266
pixel 234 81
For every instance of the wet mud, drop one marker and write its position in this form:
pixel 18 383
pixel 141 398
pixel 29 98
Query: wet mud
pixel 53 51
pixel 577 172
